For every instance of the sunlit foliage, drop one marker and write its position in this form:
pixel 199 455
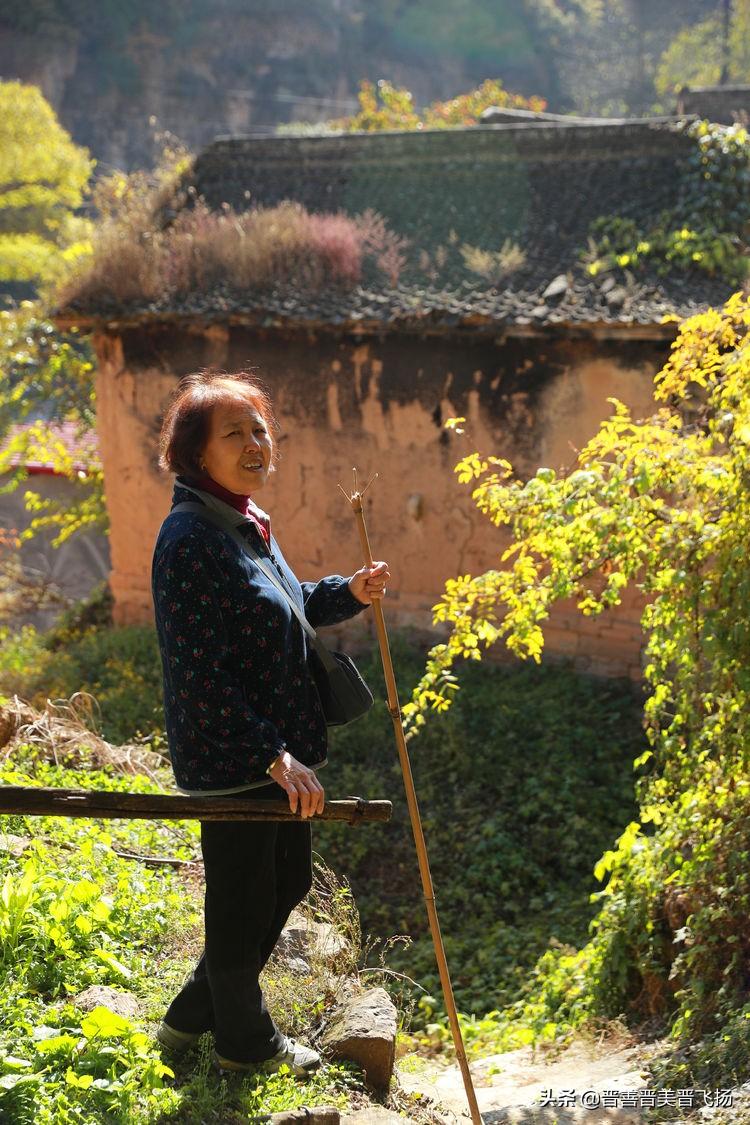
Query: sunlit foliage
pixel 696 55
pixel 43 179
pixel 662 503
pixel 384 106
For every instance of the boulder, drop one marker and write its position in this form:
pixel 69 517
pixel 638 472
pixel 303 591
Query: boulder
pixel 363 1030
pixel 122 1003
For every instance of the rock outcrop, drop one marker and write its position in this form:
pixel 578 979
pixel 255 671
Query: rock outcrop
pixel 363 1030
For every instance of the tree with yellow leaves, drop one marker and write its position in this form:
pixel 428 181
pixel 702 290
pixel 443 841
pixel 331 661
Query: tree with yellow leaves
pixel 662 503
pixel 43 179
pixel 702 54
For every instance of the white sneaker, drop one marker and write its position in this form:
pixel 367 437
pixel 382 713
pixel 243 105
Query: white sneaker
pixel 300 1060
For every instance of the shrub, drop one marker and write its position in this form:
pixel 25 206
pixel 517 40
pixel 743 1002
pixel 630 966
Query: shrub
pixel 521 787
pixel 47 385
pixel 706 229
pixel 495 266
pixel 388 107
pixel 660 503
pixel 119 667
pixel 92 612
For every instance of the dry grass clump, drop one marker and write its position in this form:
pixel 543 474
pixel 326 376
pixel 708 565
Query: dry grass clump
pixel 302 996
pixel 63 733
pixel 305 986
pixel 135 259
pixel 495 266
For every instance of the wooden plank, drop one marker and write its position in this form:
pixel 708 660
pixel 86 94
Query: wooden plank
pixel 28 801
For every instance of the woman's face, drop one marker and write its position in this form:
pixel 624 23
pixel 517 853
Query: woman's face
pixel 238 451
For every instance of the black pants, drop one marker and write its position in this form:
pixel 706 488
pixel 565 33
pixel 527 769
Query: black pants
pixel 256 873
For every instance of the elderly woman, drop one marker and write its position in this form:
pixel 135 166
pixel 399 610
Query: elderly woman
pixel 242 711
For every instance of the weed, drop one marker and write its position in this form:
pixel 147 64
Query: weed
pixel 73 913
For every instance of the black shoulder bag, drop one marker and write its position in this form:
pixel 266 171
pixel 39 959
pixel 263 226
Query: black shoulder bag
pixel 344 695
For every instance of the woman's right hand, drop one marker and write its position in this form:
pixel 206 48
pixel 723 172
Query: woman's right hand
pixel 300 784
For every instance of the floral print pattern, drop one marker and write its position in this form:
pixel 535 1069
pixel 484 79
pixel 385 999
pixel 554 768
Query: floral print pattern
pixel 237 690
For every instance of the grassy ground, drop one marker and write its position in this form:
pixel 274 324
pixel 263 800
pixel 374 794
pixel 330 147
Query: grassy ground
pixel 523 785
pixel 74 913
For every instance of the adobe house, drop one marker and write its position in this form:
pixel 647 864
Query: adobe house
pixel 367 377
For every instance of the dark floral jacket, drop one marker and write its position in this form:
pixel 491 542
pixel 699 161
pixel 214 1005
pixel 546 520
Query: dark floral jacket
pixel 237 690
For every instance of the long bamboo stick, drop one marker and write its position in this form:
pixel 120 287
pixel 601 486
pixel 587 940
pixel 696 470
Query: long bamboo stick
pixel 355 499
pixel 32 801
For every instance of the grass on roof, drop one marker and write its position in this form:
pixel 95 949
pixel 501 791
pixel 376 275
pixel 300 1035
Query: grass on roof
pixel 134 260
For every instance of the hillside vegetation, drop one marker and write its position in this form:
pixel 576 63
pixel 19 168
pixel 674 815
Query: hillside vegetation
pixel 225 66
pixel 522 788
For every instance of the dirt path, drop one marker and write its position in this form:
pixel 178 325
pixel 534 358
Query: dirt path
pixel 511 1087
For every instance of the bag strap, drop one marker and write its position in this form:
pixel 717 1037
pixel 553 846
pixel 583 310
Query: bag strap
pixel 214 517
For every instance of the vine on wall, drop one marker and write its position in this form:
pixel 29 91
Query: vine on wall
pixel 662 504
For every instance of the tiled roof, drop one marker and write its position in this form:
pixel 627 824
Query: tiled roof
pixel 538 184
pixel 82 448
pixel 582 309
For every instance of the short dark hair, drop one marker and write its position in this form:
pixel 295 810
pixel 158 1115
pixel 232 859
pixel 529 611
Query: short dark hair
pixel 185 428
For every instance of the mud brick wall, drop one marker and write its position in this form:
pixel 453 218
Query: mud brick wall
pixel 378 403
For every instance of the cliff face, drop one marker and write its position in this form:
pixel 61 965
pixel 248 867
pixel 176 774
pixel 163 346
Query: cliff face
pixel 219 68
pixel 215 73
pixel 205 68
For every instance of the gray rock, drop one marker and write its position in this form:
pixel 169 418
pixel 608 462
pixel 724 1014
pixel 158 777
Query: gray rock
pixel 123 1003
pixel 304 940
pixel 363 1030
pixel 297 965
pixel 617 296
pixel 13 844
pixel 556 287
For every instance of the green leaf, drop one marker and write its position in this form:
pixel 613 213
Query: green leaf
pixel 102 1022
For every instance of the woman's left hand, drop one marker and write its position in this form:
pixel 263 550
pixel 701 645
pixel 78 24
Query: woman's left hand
pixel 369 582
